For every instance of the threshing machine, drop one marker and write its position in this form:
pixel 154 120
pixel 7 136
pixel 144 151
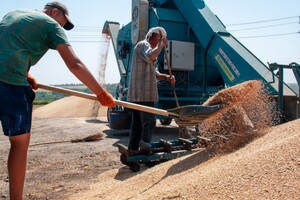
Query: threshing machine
pixel 203 55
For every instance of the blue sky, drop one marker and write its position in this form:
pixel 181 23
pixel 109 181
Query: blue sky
pixel 274 39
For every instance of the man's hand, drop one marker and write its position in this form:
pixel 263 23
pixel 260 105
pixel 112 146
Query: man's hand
pixel 106 99
pixel 32 82
pixel 164 41
pixel 171 79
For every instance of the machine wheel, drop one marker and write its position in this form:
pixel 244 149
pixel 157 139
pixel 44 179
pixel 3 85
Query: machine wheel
pixel 165 121
pixel 135 167
pixel 119 119
pixel 123 159
pixel 151 163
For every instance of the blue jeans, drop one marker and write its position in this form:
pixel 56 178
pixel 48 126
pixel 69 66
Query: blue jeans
pixel 15 108
pixel 142 126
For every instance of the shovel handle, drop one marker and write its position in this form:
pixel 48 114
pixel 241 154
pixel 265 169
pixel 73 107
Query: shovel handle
pixel 118 102
pixel 170 73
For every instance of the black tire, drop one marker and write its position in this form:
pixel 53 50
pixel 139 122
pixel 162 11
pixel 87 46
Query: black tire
pixel 165 121
pixel 123 159
pixel 119 119
pixel 135 167
pixel 151 163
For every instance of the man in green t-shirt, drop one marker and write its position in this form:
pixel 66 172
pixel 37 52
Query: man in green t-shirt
pixel 25 36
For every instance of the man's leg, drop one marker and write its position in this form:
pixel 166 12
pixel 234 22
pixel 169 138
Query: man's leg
pixel 135 131
pixel 17 162
pixel 15 117
pixel 148 123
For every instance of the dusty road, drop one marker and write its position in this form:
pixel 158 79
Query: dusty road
pixel 57 167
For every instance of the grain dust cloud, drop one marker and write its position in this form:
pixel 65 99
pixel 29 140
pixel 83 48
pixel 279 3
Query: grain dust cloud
pixel 103 58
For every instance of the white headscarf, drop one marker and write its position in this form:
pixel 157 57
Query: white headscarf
pixel 156 30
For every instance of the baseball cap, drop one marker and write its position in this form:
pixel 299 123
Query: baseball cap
pixel 56 4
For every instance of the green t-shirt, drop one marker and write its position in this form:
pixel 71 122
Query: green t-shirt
pixel 25 36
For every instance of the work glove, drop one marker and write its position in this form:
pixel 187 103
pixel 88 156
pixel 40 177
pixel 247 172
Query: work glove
pixel 32 82
pixel 106 99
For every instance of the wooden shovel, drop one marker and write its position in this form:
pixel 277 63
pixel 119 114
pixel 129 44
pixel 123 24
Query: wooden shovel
pixel 170 73
pixel 185 113
pixel 169 68
pixel 118 102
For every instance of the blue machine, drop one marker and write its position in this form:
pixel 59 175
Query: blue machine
pixel 204 56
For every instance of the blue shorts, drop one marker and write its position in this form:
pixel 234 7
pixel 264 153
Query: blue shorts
pixel 15 109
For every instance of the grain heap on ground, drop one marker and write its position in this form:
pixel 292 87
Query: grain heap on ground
pixel 266 168
pixel 69 107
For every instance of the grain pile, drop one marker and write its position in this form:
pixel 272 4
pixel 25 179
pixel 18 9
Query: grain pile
pixel 69 107
pixel 266 168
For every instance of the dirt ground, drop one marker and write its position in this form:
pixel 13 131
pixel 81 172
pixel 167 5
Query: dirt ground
pixel 57 167
pixel 267 167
